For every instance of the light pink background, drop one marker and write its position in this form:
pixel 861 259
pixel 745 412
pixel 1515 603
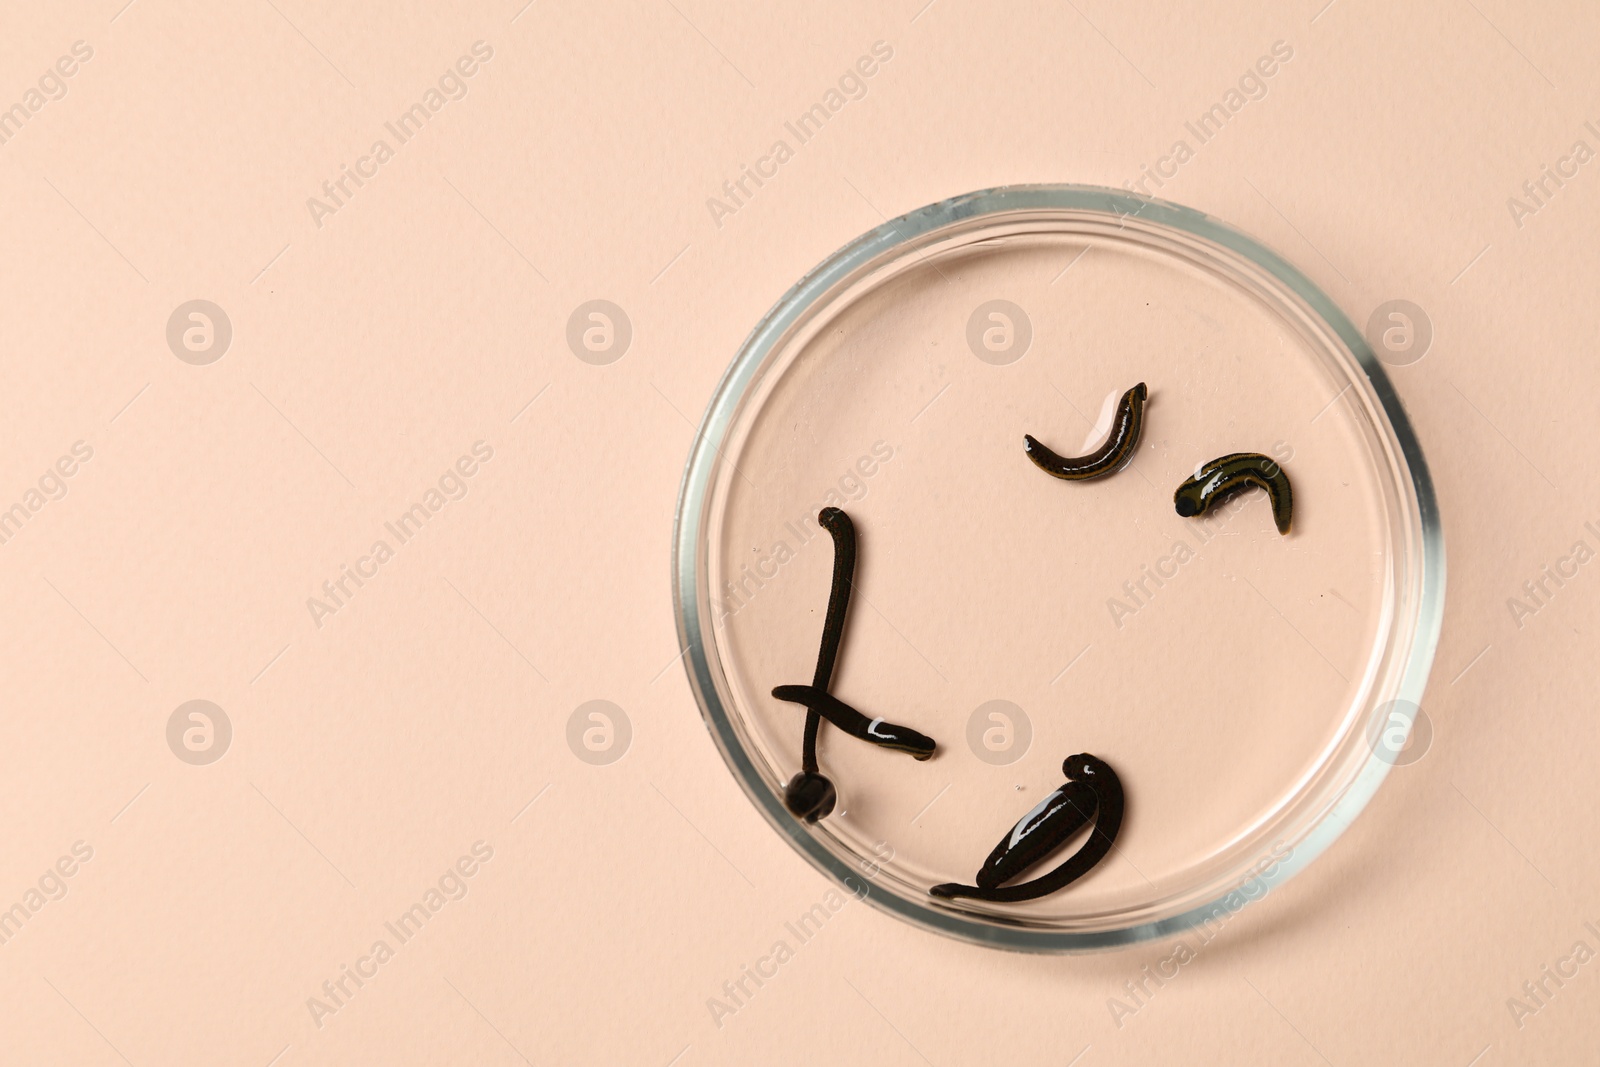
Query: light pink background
pixel 369 754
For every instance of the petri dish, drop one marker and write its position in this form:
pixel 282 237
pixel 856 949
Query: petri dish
pixel 1252 690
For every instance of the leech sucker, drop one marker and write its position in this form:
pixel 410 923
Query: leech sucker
pixel 1226 475
pixel 852 722
pixel 1092 787
pixel 1110 457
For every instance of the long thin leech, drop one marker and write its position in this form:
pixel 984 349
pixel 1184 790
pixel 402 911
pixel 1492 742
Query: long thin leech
pixel 1110 457
pixel 837 523
pixel 1226 475
pixel 1043 832
pixel 810 794
pixel 852 722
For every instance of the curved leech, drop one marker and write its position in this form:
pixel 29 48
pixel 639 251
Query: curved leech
pixel 1226 475
pixel 1037 834
pixel 1055 827
pixel 877 731
pixel 1110 457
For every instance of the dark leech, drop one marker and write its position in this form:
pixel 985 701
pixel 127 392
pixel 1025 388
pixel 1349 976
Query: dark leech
pixel 838 524
pixel 1110 457
pixel 1092 790
pixel 1226 475
pixel 852 722
pixel 1037 834
pixel 810 795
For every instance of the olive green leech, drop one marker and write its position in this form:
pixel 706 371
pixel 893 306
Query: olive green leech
pixel 1108 458
pixel 810 794
pixel 1227 475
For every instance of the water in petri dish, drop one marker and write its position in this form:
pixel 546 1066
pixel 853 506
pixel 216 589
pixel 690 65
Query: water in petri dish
pixel 1019 619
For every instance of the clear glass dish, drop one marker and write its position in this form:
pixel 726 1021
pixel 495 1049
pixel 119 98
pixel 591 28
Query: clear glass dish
pixel 1237 684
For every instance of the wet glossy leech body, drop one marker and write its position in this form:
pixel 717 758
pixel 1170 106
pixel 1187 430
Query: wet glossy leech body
pixel 852 722
pixel 1110 457
pixel 1226 475
pixel 1092 791
pixel 810 794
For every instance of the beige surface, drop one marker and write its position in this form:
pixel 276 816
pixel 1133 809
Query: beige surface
pixel 409 731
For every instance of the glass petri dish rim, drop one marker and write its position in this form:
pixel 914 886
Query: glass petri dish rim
pixel 1420 589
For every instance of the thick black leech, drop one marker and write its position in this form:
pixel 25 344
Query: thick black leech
pixel 1108 458
pixel 1227 475
pixel 810 795
pixel 1037 834
pixel 1093 789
